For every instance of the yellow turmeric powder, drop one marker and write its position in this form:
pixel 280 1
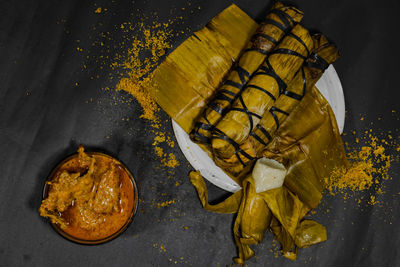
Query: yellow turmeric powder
pixel 143 56
pixel 165 203
pixel 139 67
pixel 167 159
pixel 369 164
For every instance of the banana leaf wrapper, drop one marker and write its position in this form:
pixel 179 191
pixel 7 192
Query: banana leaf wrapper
pixel 306 162
pixel 277 23
pixel 185 81
pixel 252 221
pixel 253 215
pixel 308 233
pixel 287 222
pixel 315 65
pixel 308 143
pixel 324 54
pixel 229 205
pixel 261 92
pixel 278 209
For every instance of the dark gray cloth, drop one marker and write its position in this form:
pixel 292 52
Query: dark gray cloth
pixel 50 103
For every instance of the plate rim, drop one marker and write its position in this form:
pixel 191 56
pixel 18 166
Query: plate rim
pixel 330 76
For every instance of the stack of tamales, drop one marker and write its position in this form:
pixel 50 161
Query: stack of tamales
pixel 266 85
pixel 323 54
pixel 246 92
pixel 277 23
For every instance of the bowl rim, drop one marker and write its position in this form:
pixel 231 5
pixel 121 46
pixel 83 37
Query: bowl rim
pixel 115 234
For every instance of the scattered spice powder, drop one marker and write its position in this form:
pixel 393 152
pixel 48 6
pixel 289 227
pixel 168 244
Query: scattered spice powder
pixel 142 46
pixel 372 200
pixel 167 159
pixel 140 60
pixel 369 165
pixel 165 203
pixel 162 248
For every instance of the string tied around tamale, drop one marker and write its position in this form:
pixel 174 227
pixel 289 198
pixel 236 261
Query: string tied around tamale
pixel 295 95
pixel 238 150
pixel 224 95
pixel 243 74
pixel 314 61
pixel 285 27
pixel 262 42
pixel 317 62
pixel 275 109
pixel 268 70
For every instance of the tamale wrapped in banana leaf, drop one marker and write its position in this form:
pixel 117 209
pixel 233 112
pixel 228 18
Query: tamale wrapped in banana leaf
pixel 277 23
pixel 308 142
pixel 277 209
pixel 252 221
pixel 323 54
pixel 309 153
pixel 189 75
pixel 253 215
pixel 261 92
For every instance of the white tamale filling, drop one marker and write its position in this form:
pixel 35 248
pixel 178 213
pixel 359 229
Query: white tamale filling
pixel 268 174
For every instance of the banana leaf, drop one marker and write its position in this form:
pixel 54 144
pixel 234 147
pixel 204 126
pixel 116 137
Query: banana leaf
pixel 184 82
pixel 229 205
pixel 308 233
pixel 307 142
pixel 279 20
pixel 310 148
pixel 277 209
pixel 324 54
pixel 261 92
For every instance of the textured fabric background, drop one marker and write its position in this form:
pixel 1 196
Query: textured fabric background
pixel 44 115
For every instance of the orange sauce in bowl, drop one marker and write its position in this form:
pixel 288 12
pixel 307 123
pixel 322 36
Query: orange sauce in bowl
pixel 90 198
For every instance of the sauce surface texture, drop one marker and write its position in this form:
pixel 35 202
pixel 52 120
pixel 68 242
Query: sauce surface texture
pixel 91 196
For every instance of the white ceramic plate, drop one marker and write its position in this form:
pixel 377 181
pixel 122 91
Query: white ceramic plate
pixel 330 87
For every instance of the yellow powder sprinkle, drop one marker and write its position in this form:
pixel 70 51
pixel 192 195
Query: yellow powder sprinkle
pixel 167 159
pixel 368 165
pixel 165 203
pixel 172 161
pixel 98 10
pixel 139 67
pixel 162 248
pixel 372 200
pixel 159 151
pixel 148 46
pixel 160 138
pixel 142 96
